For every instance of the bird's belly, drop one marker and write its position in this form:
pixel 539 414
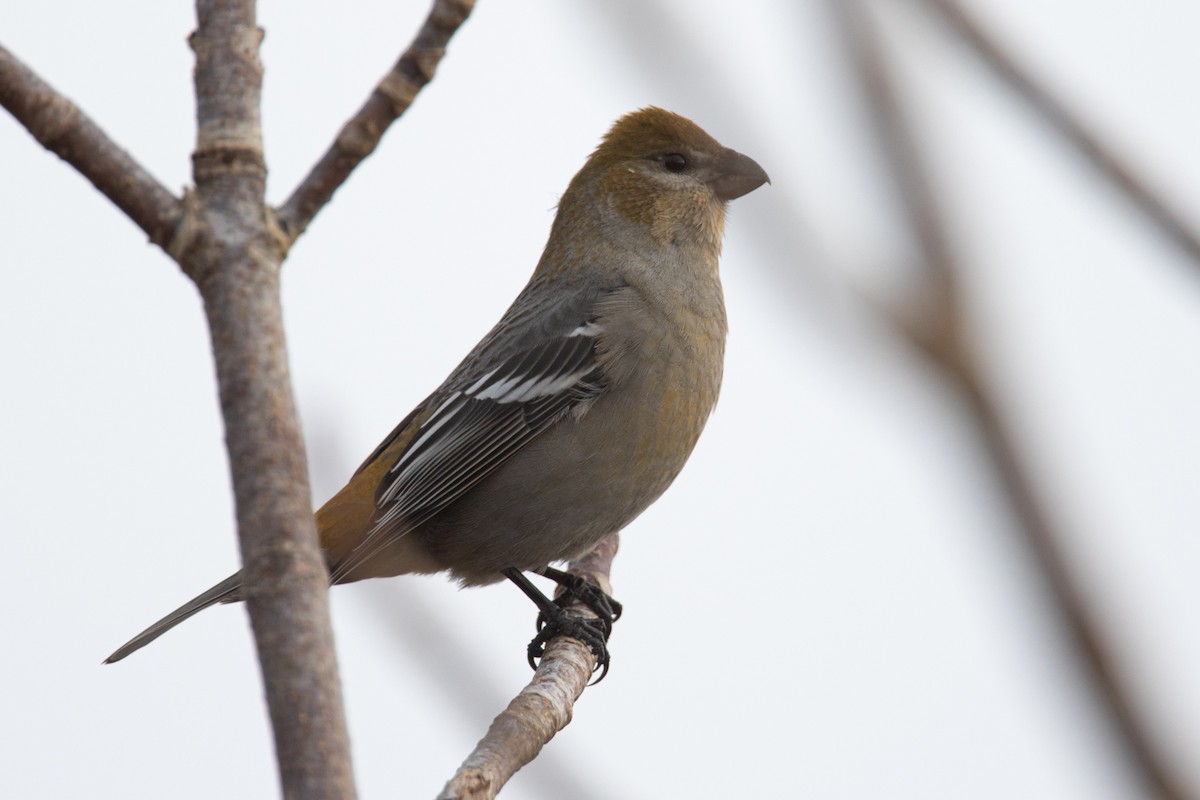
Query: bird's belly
pixel 576 483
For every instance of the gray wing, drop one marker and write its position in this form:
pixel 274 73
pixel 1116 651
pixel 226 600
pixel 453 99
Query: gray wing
pixel 529 372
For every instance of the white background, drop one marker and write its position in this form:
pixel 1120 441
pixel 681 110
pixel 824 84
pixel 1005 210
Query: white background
pixel 831 602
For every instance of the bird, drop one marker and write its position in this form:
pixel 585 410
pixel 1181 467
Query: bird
pixel 577 410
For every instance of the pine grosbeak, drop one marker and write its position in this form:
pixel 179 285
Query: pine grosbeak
pixel 583 403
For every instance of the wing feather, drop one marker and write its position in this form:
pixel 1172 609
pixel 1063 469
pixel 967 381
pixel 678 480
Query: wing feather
pixel 480 425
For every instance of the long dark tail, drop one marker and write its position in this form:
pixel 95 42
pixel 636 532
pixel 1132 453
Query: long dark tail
pixel 226 591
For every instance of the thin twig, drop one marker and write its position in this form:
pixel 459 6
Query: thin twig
pixel 467 683
pixel 946 343
pixel 63 129
pixel 361 135
pixel 1101 154
pixel 542 708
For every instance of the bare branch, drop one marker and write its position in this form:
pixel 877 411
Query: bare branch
pixel 542 708
pixel 63 129
pixel 1102 155
pixel 390 99
pixel 228 246
pixel 948 346
pixel 596 566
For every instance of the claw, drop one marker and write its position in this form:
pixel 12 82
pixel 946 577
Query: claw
pixel 576 589
pixel 553 619
pixel 592 632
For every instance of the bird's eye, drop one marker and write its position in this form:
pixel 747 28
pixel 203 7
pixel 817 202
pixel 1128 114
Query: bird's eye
pixel 674 162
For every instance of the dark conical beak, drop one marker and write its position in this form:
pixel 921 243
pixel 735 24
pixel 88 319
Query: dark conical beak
pixel 736 175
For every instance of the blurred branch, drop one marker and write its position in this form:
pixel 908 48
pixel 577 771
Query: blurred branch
pixel 1102 155
pixel 63 129
pixel 942 337
pixel 542 708
pixel 361 135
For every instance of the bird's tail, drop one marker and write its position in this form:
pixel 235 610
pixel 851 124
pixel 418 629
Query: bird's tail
pixel 227 591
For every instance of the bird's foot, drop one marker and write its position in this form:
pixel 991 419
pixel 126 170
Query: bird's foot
pixel 554 620
pixel 575 590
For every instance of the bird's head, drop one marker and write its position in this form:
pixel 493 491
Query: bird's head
pixel 659 169
pixel 653 150
pixel 657 175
